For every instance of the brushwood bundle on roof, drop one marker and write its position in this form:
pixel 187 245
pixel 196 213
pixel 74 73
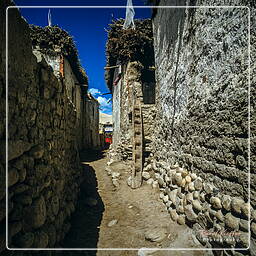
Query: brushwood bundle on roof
pixel 53 41
pixel 125 45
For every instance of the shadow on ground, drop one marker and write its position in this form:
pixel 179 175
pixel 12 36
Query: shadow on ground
pixel 91 155
pixel 86 220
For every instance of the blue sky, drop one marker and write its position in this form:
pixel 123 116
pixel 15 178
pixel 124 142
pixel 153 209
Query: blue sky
pixel 87 26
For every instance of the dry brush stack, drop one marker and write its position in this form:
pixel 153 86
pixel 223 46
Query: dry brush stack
pixel 54 40
pixel 125 45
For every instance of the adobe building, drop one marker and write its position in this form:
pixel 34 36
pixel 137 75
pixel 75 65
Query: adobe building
pixel 59 51
pixel 130 76
pixel 201 158
pixel 49 113
pixel 200 161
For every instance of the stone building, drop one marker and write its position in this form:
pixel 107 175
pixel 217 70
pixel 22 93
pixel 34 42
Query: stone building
pixel 200 156
pixel 91 137
pixel 47 106
pixel 131 79
pixel 59 51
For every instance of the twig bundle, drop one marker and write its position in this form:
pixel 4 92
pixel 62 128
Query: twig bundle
pixel 53 41
pixel 125 45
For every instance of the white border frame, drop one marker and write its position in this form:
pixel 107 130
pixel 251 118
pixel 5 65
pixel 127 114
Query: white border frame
pixel 249 131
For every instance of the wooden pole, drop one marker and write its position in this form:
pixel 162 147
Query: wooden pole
pixel 110 67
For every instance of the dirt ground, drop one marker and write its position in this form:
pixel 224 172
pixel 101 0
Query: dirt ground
pixel 133 212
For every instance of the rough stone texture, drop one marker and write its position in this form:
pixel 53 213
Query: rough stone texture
pixel 204 129
pixel 44 168
pixel 132 81
pixel 202 108
pixel 89 124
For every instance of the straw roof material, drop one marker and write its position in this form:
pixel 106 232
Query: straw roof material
pixel 54 40
pixel 125 45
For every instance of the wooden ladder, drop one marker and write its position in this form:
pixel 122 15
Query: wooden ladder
pixel 136 178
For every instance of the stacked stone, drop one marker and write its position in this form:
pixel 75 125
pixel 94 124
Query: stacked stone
pixel 192 201
pixel 148 172
pixel 149 114
pixel 122 151
pixel 202 115
pixel 44 172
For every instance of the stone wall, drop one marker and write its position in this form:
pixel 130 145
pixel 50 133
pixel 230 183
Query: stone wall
pixel 2 129
pixel 116 92
pixel 90 127
pixel 73 87
pixel 44 172
pixel 128 88
pixel 201 135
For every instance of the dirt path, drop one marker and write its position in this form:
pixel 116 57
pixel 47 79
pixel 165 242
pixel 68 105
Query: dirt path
pixel 133 213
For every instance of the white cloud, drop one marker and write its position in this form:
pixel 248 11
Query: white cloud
pixel 94 91
pixel 105 103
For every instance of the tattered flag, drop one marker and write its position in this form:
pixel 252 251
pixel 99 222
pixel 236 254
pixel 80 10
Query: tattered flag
pixel 49 18
pixel 130 13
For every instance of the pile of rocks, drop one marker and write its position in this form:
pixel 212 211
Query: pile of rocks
pixel 115 176
pixel 190 200
pixel 149 169
pixel 121 152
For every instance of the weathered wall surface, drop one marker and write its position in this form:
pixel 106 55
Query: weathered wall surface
pixel 116 110
pixel 2 129
pixel 73 88
pixel 128 88
pixel 90 123
pixel 87 110
pixel 53 61
pixel 202 116
pixel 44 173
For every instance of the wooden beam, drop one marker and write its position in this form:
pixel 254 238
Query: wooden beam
pixel 110 67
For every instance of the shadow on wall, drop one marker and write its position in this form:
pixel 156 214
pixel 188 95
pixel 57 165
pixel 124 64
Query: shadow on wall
pixel 84 231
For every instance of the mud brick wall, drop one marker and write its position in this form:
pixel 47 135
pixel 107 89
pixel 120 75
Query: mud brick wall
pixel 201 138
pixel 44 173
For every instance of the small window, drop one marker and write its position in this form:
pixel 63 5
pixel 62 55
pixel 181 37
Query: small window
pixel 148 87
pixel 130 117
pixel 73 94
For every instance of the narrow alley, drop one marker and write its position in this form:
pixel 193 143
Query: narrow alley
pixel 114 215
pixel 128 130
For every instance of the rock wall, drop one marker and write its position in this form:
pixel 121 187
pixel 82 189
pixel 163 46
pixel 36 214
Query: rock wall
pixel 116 108
pixel 90 124
pixel 44 172
pixel 128 88
pixel 201 137
pixel 2 129
pixel 73 87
